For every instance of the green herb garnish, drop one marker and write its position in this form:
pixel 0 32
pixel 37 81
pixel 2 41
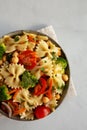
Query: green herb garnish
pixel 42 69
pixel 16 38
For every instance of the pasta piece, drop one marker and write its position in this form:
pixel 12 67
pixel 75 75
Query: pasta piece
pixel 40 37
pixel 28 101
pixel 52 47
pixel 30 34
pixel 31 45
pixel 35 100
pixel 45 63
pixel 52 103
pixel 4 72
pixel 22 96
pixel 22 39
pixel 10 44
pixel 36 72
pixel 1 40
pixel 58 71
pixel 46 49
pixel 58 81
pixel 42 48
pixel 11 75
pixel 22 43
pixel 29 115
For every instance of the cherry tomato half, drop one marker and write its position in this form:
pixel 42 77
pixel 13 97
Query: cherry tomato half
pixel 41 111
pixel 40 88
pixel 28 58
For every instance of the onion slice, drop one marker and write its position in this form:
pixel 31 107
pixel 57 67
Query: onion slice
pixel 8 108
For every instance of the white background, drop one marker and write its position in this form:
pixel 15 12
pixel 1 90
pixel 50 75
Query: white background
pixel 69 19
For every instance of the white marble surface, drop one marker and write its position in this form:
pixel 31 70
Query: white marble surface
pixel 69 19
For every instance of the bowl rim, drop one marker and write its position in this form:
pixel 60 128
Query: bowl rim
pixel 21 32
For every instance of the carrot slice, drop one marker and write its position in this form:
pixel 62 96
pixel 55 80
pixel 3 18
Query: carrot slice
pixel 16 93
pixel 40 88
pixel 19 111
pixel 50 84
pixel 37 89
pixel 12 91
pixel 30 39
pixel 48 93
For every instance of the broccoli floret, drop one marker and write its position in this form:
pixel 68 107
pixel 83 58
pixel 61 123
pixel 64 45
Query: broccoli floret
pixel 28 80
pixel 62 62
pixel 2 50
pixel 4 93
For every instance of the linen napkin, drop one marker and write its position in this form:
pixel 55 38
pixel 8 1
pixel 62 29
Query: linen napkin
pixel 49 30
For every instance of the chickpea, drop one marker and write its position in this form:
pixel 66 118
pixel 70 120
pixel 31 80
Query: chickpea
pixel 4 58
pixel 14 60
pixel 15 54
pixel 57 96
pixel 65 77
pixel 1 62
pixel 45 99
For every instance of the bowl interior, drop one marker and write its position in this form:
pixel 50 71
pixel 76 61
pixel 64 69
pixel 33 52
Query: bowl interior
pixel 20 32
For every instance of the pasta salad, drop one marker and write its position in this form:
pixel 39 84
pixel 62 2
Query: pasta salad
pixel 32 75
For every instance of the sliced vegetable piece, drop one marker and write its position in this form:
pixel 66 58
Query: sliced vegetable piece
pixel 28 58
pixel 41 111
pixel 12 91
pixel 19 111
pixel 16 93
pixel 37 89
pixel 41 87
pixel 14 105
pixel 48 93
pixel 31 38
pixel 6 108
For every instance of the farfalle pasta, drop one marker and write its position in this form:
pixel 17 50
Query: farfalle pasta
pixel 33 75
pixel 45 63
pixel 46 48
pixel 11 74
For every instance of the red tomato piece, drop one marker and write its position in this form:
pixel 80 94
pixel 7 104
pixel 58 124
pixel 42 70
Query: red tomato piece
pixel 37 89
pixel 48 93
pixel 28 58
pixel 41 111
pixel 40 87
